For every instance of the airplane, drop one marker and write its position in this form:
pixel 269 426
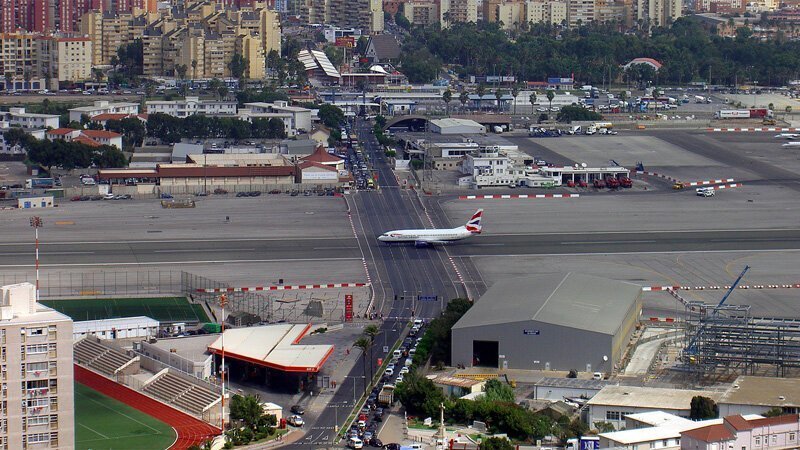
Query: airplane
pixel 787 136
pixel 792 144
pixel 422 238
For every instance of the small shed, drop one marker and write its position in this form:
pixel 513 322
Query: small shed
pixel 45 201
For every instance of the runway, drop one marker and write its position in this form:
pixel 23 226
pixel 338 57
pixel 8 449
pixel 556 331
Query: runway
pixel 401 267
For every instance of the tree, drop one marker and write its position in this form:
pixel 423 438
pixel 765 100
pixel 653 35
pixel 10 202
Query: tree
pixel 371 331
pixel 498 94
pixel 238 65
pixel 572 113
pixel 419 395
pixel 481 91
pixel 363 343
pixel 26 75
pixel 246 409
pixel 97 74
pixel 496 443
pixel 447 96
pixel 572 373
pixel 497 391
pixel 180 70
pixel 703 408
pixel 463 97
pixel 222 91
pixel 331 116
pixel 194 69
pixel 515 93
pixel 551 94
pixel 9 80
pixel 401 21
pixel 604 427
pixel 109 157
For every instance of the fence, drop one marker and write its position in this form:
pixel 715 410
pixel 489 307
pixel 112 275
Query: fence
pixel 62 285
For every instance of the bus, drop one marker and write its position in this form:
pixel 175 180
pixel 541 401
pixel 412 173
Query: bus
pixel 40 183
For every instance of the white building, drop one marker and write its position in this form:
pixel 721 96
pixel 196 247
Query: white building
pixel 121 328
pixel 37 376
pixel 757 395
pixel 296 119
pixel 45 201
pixel 94 138
pixel 488 167
pixel 17 149
pixel 613 403
pixel 456 126
pixel 18 117
pixel 103 107
pixel 191 105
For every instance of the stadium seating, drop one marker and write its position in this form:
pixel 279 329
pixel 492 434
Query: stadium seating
pixel 91 353
pixel 182 393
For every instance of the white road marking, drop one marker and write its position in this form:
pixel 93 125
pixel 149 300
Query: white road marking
pixel 202 251
pixel 333 248
pixel 48 253
pixel 166 263
pixel 607 242
pixel 675 252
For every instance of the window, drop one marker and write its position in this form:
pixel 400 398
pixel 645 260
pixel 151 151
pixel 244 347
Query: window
pixel 35 331
pixel 36 438
pixel 35 367
pixel 38 420
pixel 792 437
pixel 774 439
pixel 758 440
pixel 612 415
pixel 36 349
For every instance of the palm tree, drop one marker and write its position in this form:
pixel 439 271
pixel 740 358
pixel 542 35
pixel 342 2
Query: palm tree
pixel 498 94
pixel 194 70
pixel 371 331
pixel 532 99
pixel 514 93
pixel 447 96
pixel 463 98
pixel 480 90
pixel 26 75
pixel 363 343
pixel 9 78
pixel 550 96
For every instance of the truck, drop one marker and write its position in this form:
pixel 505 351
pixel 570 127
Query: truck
pixel 583 443
pixel 386 396
pixel 606 125
pixel 755 113
pixel 40 183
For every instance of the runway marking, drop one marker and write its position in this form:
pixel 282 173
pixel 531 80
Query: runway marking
pixel 671 252
pixel 201 250
pixel 488 245
pixel 180 241
pixel 48 253
pixel 333 248
pixel 608 242
pixel 165 263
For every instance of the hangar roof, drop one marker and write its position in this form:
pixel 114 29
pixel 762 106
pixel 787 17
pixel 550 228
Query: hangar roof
pixel 571 300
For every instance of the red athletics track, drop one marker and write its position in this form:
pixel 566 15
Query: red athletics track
pixel 190 430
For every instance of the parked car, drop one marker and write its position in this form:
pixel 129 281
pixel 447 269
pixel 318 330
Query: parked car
pixel 295 421
pixel 298 409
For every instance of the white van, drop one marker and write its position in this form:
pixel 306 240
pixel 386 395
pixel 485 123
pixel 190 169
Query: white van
pixel 355 443
pixel 397 354
pixel 705 191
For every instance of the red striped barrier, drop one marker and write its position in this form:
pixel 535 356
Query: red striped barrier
pixel 727 186
pixel 514 196
pixel 750 130
pixel 717 288
pixel 707 182
pixel 295 287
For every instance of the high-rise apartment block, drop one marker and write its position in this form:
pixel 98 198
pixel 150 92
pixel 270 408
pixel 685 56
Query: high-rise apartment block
pixel 36 373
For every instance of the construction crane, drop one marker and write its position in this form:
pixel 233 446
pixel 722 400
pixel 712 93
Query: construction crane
pixel 691 349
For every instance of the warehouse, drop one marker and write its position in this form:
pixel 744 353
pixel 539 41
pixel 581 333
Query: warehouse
pixel 456 126
pixel 549 322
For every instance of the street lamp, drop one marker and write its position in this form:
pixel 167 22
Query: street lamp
pixel 223 300
pixel 36 223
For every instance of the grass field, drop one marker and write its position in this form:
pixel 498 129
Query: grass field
pixel 163 309
pixel 104 423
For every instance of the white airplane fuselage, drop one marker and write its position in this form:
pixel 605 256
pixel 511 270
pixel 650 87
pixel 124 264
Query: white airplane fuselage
pixel 432 236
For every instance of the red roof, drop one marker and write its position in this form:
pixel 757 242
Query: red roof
pixel 307 164
pixel 321 155
pixel 61 131
pixel 211 171
pixel 778 420
pixel 645 61
pixel 88 141
pixel 711 433
pixel 738 423
pixel 101 134
pixel 111 116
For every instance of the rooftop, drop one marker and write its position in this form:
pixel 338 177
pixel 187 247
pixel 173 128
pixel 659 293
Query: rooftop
pixel 453 122
pixel 571 300
pixel 322 156
pixel 456 381
pixel 763 391
pixel 649 397
pixel 275 346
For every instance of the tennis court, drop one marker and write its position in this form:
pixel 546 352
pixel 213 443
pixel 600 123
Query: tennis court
pixel 163 309
pixel 104 423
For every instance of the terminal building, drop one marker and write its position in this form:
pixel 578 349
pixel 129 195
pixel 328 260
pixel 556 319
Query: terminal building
pixel 549 322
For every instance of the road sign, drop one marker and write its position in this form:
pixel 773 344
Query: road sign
pixel 348 308
pixel 385 349
pixel 428 298
pixel 345 41
pixel 531 332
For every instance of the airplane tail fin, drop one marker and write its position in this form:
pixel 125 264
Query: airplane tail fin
pixel 474 223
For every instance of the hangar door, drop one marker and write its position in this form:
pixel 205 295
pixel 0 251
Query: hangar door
pixel 485 354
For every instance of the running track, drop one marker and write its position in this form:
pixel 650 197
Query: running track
pixel 190 430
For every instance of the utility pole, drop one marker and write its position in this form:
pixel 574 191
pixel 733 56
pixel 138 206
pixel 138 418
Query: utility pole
pixel 36 223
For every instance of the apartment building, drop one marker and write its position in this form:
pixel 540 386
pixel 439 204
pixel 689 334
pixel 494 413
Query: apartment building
pixel 37 406
pixel 18 54
pixel 658 12
pixel 103 107
pixel 510 14
pixel 455 11
pixel 191 105
pixel 581 12
pixel 546 12
pixel 421 12
pixel 17 116
pixel 364 14
pixel 65 59
pixel 295 118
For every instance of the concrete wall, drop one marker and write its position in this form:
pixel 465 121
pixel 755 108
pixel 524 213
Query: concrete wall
pixel 563 348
